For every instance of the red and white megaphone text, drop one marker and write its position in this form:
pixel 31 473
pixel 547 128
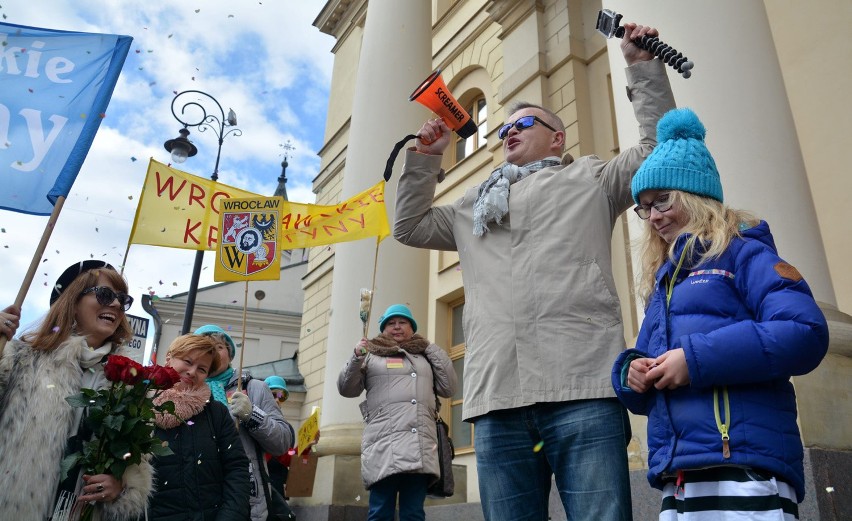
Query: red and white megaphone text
pixel 434 95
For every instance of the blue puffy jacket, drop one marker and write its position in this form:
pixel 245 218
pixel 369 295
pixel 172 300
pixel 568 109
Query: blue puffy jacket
pixel 747 322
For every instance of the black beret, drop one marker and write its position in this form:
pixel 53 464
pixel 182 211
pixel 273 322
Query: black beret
pixel 72 273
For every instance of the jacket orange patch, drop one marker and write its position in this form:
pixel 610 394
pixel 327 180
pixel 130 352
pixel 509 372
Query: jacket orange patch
pixel 788 272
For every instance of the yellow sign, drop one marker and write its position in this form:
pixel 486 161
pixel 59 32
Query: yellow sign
pixel 359 217
pixel 180 210
pixel 308 431
pixel 249 247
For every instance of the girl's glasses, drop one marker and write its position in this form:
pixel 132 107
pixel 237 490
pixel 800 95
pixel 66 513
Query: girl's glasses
pixel 663 203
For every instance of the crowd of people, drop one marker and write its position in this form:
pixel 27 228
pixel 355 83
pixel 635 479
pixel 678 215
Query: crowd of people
pixel 545 361
pixel 217 435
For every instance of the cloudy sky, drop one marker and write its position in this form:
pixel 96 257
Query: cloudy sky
pixel 264 59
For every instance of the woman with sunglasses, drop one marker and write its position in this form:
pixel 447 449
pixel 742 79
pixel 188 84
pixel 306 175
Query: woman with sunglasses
pixel 38 428
pixel 727 324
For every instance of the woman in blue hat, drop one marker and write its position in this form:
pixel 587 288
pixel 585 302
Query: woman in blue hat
pixel 727 323
pixel 401 372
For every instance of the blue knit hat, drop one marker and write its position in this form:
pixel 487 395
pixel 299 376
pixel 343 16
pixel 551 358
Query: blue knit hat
pixel 276 382
pixel 211 329
pixel 680 161
pixel 397 310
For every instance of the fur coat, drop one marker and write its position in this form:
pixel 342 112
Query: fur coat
pixel 35 424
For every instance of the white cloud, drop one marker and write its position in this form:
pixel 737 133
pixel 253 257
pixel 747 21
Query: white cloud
pixel 263 59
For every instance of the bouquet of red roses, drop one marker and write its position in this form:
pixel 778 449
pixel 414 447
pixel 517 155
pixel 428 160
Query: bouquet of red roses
pixel 121 418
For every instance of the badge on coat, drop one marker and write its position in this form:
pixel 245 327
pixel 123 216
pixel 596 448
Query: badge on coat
pixel 394 362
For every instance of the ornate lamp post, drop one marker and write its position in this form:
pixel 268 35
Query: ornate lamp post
pixel 181 148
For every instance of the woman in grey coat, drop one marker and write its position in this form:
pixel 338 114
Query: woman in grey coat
pixel 401 372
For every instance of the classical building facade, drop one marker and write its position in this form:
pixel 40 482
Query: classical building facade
pixel 769 83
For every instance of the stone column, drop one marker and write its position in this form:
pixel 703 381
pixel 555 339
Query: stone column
pixel 395 59
pixel 738 92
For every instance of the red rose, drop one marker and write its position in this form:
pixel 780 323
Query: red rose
pixel 123 369
pixel 162 377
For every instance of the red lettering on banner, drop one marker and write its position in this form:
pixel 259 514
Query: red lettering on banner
pixel 286 238
pixel 312 233
pixel 212 235
pixel 358 221
pixel 300 221
pixel 168 184
pixel 341 228
pixel 342 208
pixel 196 193
pixel 214 197
pixel 187 232
pixel 361 203
pixel 377 195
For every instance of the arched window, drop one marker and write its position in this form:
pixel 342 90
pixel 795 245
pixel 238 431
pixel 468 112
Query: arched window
pixel 479 114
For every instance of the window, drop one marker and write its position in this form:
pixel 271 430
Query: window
pixel 461 432
pixel 478 113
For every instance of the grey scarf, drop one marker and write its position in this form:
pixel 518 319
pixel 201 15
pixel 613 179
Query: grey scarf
pixel 492 203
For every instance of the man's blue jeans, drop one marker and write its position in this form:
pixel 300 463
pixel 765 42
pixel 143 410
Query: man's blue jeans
pixel 412 493
pixel 583 444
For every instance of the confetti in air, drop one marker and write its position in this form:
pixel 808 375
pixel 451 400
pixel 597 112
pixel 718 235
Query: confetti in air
pixel 538 446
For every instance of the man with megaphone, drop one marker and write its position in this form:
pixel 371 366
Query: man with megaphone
pixel 542 320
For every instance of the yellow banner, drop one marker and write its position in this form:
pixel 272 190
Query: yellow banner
pixel 249 249
pixel 359 217
pixel 180 210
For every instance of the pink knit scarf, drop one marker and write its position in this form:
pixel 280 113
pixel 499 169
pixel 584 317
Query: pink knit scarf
pixel 188 402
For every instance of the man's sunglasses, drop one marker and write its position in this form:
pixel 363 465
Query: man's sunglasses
pixel 520 124
pixel 106 296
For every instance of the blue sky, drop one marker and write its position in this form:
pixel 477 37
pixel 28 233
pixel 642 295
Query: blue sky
pixel 264 59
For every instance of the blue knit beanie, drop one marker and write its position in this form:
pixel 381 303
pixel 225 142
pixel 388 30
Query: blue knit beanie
pixel 211 329
pixel 680 161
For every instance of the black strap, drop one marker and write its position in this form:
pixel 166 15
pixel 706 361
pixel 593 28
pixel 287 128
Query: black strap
pixel 394 153
pixel 263 477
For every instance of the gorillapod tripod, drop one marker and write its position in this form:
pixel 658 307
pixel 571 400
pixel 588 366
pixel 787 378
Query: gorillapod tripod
pixel 608 25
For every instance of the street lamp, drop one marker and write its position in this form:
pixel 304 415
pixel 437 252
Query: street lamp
pixel 181 148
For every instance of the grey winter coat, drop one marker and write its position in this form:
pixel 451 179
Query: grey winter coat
pixel 35 424
pixel 267 430
pixel 399 409
pixel 542 320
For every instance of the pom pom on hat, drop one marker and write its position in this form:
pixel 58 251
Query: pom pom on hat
pixel 680 160
pixel 680 124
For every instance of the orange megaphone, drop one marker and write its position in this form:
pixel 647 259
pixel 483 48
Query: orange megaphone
pixel 433 94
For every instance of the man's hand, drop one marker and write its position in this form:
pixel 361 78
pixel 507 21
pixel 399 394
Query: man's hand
pixel 433 137
pixel 632 52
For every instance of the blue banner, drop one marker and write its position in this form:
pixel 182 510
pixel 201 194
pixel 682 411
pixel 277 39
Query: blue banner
pixel 54 90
